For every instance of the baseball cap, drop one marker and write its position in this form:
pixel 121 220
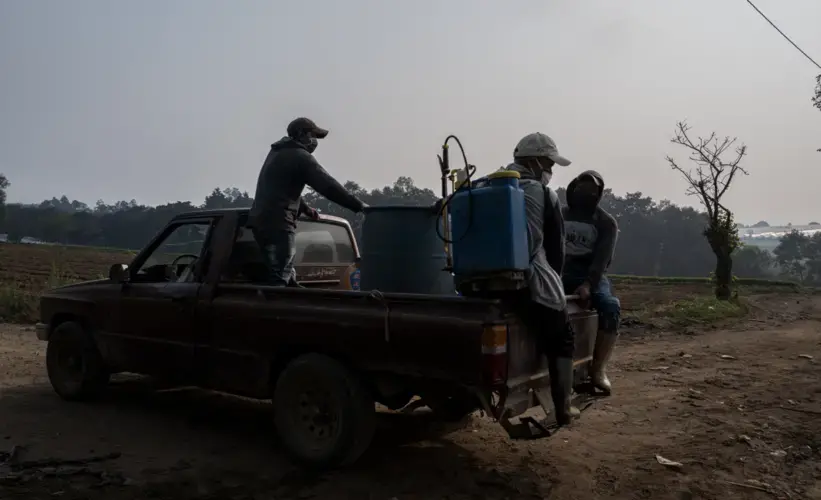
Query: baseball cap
pixel 302 125
pixel 539 145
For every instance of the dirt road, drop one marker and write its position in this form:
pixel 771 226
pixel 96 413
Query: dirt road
pixel 738 409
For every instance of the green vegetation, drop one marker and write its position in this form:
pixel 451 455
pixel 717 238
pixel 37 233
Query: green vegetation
pixel 672 280
pixel 702 311
pixel 693 311
pixel 17 304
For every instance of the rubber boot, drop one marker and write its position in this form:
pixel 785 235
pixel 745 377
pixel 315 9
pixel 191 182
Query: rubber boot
pixel 605 342
pixel 561 388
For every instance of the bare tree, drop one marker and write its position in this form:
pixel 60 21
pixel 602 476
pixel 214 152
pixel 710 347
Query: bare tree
pixel 709 176
pixel 4 184
pixel 816 99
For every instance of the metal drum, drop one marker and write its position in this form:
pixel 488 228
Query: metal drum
pixel 402 253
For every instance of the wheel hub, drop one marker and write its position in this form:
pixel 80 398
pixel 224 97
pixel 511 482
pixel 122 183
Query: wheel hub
pixel 71 363
pixel 316 415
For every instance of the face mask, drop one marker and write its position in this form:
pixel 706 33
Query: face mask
pixel 546 175
pixel 585 201
pixel 310 143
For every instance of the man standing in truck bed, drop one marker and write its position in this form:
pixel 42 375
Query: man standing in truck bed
pixel 289 167
pixel 591 235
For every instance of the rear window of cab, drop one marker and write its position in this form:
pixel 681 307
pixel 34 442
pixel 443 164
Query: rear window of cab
pixel 317 243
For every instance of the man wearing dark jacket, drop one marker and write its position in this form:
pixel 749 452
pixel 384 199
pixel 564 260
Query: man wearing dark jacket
pixel 289 167
pixel 590 235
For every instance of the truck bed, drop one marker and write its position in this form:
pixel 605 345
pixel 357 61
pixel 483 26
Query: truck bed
pixel 399 339
pixel 433 337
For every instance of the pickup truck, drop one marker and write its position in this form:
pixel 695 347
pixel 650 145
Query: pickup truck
pixel 189 309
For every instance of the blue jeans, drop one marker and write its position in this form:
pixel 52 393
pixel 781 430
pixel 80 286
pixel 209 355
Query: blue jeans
pixel 278 251
pixel 604 302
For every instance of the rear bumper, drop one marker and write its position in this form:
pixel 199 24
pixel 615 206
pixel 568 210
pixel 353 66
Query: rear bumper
pixel 41 329
pixel 530 391
pixel 521 391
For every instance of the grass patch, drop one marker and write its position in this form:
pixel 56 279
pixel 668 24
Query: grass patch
pixel 703 311
pixel 672 280
pixel 60 275
pixel 18 305
pixel 693 311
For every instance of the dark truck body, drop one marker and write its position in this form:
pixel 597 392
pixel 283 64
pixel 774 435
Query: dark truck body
pixel 458 354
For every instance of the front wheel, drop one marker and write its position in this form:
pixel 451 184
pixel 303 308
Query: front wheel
pixel 75 367
pixel 323 413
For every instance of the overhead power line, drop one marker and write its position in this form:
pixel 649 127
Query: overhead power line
pixel 784 35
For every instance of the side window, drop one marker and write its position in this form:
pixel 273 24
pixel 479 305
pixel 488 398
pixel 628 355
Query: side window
pixel 175 258
pixel 321 243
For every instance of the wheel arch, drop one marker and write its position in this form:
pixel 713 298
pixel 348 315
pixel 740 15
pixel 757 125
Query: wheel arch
pixel 59 318
pixel 287 354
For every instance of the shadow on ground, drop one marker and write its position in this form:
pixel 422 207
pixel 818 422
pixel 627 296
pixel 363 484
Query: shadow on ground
pixel 189 443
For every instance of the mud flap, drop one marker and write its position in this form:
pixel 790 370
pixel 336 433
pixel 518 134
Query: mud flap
pixel 529 427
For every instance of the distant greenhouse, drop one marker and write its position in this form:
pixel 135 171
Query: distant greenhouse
pixel 768 237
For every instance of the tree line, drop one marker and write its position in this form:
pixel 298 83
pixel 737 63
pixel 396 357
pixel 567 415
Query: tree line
pixel 656 238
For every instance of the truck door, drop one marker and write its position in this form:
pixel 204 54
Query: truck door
pixel 154 325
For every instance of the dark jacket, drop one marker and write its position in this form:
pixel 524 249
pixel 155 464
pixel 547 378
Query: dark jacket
pixel 288 168
pixel 590 236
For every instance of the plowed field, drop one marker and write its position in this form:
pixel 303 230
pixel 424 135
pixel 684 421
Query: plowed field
pixel 35 267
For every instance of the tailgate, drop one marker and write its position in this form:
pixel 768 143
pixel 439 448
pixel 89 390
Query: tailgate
pixel 528 381
pixel 525 357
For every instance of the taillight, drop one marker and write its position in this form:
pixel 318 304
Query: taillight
pixel 494 353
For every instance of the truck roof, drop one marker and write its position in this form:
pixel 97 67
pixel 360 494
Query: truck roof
pixel 215 212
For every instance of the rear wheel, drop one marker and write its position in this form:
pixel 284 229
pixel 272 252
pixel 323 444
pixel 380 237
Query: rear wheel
pixel 75 367
pixel 323 413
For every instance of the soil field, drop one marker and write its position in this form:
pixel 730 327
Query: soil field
pixel 37 267
pixel 732 412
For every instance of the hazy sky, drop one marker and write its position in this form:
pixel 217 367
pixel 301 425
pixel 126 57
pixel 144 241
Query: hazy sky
pixel 165 100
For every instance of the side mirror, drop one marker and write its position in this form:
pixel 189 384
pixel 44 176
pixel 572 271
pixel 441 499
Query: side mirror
pixel 118 273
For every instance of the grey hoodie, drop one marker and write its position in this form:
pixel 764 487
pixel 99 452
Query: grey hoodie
pixel 544 231
pixel 288 168
pixel 590 235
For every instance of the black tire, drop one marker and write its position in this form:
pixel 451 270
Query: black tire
pixel 324 415
pixel 75 367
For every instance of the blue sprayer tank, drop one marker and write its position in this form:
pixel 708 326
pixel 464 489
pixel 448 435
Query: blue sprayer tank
pixel 402 252
pixel 489 227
